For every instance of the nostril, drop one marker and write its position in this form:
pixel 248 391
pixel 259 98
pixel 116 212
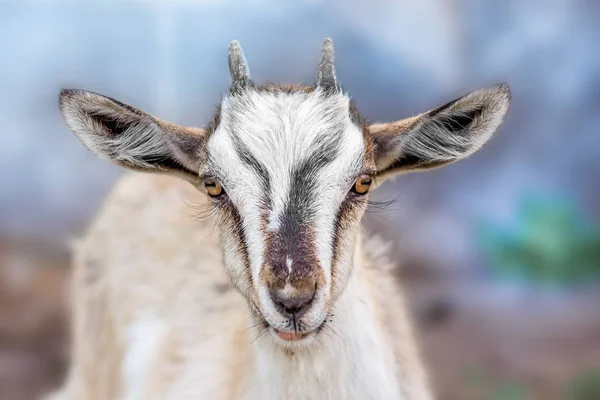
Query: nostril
pixel 295 303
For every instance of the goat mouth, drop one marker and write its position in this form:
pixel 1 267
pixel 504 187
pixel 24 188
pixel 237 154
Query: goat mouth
pixel 296 336
pixel 287 336
pixel 291 336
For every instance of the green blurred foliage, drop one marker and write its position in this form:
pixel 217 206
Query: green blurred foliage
pixel 509 391
pixel 585 386
pixel 551 242
pixel 490 388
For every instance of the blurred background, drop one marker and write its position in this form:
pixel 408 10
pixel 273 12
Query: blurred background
pixel 499 254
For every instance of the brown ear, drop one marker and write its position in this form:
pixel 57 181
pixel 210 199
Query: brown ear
pixel 130 137
pixel 440 136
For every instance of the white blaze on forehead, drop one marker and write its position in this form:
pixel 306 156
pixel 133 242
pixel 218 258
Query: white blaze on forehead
pixel 281 131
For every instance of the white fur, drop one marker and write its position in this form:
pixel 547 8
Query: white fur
pixel 288 264
pixel 143 340
pixel 196 342
pixel 349 360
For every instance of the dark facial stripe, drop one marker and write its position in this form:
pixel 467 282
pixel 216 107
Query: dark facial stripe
pixel 248 158
pixel 348 213
pixel 234 220
pixel 295 242
pixel 302 188
pixel 295 238
pixel 339 218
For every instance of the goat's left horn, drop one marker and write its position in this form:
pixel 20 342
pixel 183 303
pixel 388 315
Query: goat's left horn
pixel 238 67
pixel 326 77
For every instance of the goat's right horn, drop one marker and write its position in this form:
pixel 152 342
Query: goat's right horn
pixel 326 76
pixel 238 67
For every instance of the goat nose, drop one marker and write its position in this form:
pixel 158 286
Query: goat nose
pixel 293 302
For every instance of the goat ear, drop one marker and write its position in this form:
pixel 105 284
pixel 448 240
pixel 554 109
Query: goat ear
pixel 130 137
pixel 440 136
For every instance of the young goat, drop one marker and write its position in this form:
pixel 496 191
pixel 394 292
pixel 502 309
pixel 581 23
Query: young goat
pixel 305 309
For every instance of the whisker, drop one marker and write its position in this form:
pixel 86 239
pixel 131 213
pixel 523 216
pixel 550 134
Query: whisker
pixel 252 327
pixel 377 206
pixel 264 330
pixel 333 334
pixel 202 212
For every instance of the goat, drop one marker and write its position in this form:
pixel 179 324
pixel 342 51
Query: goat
pixel 295 305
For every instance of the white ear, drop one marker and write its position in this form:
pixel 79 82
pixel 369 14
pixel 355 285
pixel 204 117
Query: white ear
pixel 441 136
pixel 130 137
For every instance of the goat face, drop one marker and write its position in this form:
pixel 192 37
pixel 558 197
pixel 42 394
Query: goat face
pixel 288 170
pixel 293 167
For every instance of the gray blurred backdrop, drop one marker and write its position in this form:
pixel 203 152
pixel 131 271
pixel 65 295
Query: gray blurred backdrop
pixel 499 254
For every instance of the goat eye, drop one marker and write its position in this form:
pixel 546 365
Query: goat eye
pixel 213 188
pixel 362 184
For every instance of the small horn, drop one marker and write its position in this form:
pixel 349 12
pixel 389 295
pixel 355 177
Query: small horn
pixel 238 67
pixel 326 77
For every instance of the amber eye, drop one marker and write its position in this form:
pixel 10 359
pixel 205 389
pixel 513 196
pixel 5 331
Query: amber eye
pixel 213 187
pixel 362 184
